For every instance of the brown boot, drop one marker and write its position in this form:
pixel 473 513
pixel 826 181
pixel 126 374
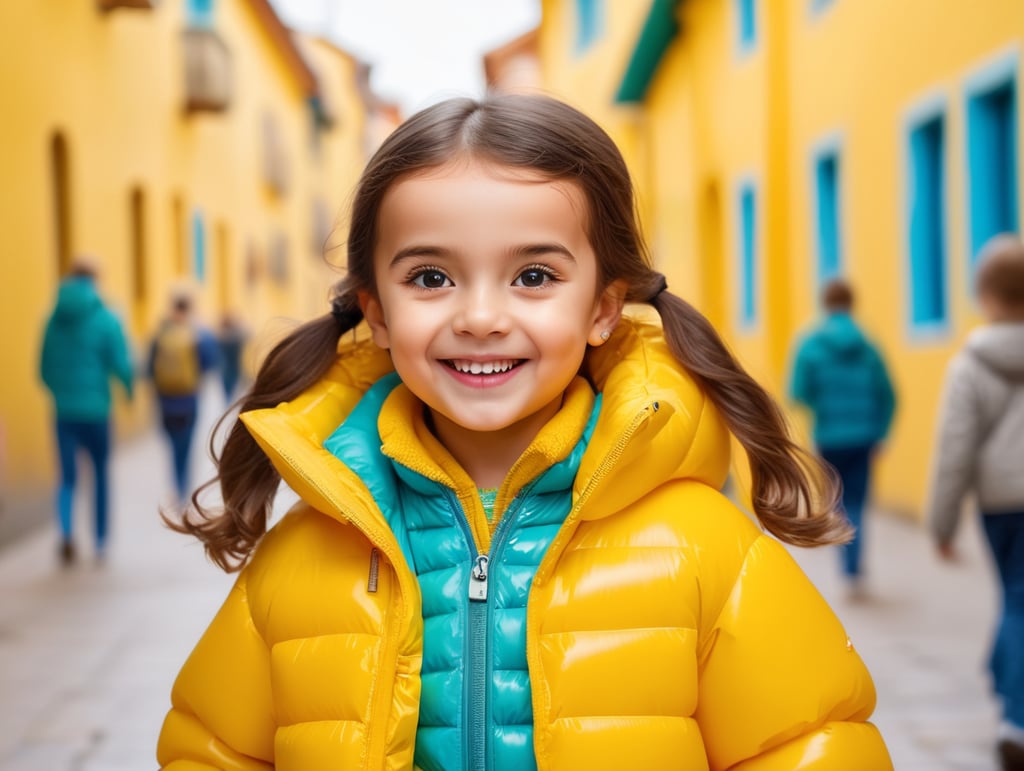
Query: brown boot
pixel 67 553
pixel 1010 746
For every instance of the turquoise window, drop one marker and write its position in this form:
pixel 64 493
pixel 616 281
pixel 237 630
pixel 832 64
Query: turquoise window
pixel 200 13
pixel 748 255
pixel 992 162
pixel 198 246
pixel 746 14
pixel 827 221
pixel 588 22
pixel 926 222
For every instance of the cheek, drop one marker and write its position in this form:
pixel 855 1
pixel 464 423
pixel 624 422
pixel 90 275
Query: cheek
pixel 408 332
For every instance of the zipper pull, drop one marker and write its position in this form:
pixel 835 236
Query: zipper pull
pixel 371 581
pixel 478 579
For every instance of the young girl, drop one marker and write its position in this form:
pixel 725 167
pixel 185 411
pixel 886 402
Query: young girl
pixel 511 551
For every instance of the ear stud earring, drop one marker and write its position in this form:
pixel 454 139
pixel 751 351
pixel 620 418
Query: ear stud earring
pixel 605 334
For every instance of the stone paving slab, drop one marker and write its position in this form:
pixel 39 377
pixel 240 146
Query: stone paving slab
pixel 923 631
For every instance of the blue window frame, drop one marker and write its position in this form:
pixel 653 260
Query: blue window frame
pixel 926 182
pixel 198 246
pixel 992 161
pixel 200 13
pixel 748 284
pixel 820 6
pixel 746 24
pixel 588 22
pixel 828 218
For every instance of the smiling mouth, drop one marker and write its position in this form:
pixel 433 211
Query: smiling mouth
pixel 496 367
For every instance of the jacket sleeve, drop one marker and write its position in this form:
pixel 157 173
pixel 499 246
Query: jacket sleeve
pixel 118 358
pixel 208 350
pixel 222 711
pixel 958 437
pixel 781 685
pixel 886 396
pixel 47 357
pixel 801 389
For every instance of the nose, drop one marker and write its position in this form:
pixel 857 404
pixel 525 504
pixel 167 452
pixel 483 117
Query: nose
pixel 482 312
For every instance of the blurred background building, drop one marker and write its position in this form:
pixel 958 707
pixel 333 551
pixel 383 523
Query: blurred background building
pixel 779 143
pixel 775 143
pixel 196 141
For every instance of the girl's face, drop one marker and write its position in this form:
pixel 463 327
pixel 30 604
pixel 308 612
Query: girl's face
pixel 487 295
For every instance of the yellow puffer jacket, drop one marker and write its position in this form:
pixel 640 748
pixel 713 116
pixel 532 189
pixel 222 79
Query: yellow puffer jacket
pixel 664 630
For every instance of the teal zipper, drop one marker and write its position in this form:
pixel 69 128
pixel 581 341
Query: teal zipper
pixel 474 673
pixel 477 648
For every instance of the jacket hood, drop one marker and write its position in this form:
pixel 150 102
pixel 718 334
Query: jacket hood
pixel 1001 347
pixel 841 334
pixel 76 300
pixel 655 425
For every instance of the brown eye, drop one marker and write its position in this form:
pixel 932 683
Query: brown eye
pixel 532 278
pixel 431 279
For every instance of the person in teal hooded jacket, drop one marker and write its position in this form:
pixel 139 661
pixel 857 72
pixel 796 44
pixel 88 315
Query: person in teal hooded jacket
pixel 83 348
pixel 840 376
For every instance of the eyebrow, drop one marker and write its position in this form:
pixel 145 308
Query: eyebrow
pixel 419 251
pixel 526 250
pixel 532 250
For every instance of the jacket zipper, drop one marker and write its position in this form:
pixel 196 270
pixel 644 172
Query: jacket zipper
pixel 477 646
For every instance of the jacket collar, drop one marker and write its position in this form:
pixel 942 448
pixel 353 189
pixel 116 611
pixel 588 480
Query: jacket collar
pixel 655 425
pixel 408 441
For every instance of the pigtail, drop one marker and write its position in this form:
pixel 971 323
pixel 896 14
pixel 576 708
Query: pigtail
pixel 795 496
pixel 247 480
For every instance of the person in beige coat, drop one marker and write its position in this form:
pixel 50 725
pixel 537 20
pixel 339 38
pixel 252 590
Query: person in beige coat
pixel 980 452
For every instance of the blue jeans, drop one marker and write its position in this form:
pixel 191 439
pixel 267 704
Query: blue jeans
pixel 854 467
pixel 94 438
pixel 1005 534
pixel 179 428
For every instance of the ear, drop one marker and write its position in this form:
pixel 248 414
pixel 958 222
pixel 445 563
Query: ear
pixel 373 312
pixel 607 312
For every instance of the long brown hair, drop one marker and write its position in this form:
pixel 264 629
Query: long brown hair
pixel 793 495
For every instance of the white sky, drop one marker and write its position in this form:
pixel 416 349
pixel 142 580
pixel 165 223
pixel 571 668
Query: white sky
pixel 421 51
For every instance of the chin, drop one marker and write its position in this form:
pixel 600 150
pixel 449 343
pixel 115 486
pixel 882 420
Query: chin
pixel 482 424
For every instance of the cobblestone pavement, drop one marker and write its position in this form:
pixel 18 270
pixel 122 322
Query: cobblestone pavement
pixel 923 631
pixel 88 655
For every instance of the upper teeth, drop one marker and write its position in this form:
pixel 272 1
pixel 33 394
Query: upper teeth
pixel 483 367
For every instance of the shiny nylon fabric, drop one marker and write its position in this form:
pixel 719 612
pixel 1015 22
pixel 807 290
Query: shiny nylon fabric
pixel 425 517
pixel 664 630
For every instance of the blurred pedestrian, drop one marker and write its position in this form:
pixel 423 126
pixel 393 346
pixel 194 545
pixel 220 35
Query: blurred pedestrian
pixel 182 351
pixel 231 339
pixel 841 377
pixel 83 347
pixel 980 451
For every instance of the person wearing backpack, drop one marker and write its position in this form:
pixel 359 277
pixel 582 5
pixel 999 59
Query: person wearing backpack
pixel 979 451
pixel 181 353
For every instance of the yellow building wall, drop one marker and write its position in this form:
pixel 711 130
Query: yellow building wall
pixel 858 71
pixel 707 110
pixel 700 131
pixel 112 84
pixel 849 75
pixel 342 157
pixel 588 79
